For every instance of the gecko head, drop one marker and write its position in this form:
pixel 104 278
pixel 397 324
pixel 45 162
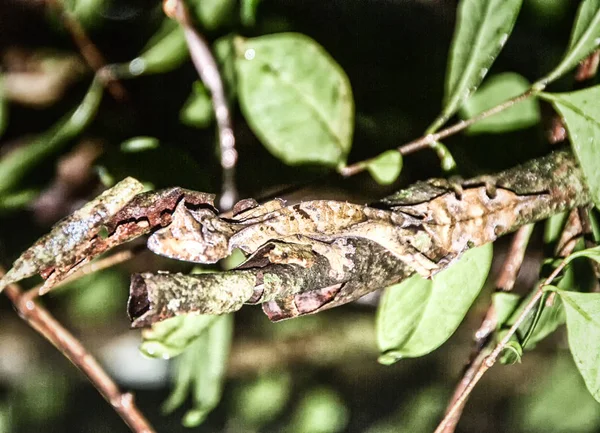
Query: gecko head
pixel 196 236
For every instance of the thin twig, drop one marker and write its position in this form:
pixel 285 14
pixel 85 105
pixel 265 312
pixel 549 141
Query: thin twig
pixel 505 282
pixel 90 52
pixel 43 322
pixel 491 359
pixel 428 140
pixel 207 68
pixel 514 259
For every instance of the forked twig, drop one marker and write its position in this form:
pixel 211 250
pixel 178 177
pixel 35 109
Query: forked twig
pixel 505 281
pixel 43 322
pixel 489 361
pixel 429 139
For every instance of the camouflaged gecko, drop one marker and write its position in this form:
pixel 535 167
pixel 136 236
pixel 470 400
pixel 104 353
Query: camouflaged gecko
pixel 425 226
pixel 306 256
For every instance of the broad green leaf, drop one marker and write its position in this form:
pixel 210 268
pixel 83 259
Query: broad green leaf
pixel 19 163
pixel 558 402
pixel 165 51
pixel 581 113
pixel 260 401
pixel 139 144
pixel 213 14
pixel 200 370
pixel 386 168
pixel 417 316
pixel 321 410
pixel 494 91
pixel 170 337
pixel 296 98
pixel 583 328
pixel 482 28
pixel 197 111
pixel 585 38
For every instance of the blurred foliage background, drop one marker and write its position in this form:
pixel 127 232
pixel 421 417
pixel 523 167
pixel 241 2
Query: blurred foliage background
pixel 313 374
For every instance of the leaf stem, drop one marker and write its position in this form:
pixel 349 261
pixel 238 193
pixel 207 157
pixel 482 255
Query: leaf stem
pixel 43 322
pixel 207 68
pixel 429 140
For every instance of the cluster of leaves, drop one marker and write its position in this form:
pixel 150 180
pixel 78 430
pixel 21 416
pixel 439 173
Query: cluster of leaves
pixel 417 316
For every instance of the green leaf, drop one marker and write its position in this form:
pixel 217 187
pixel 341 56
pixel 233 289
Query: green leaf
pixel 386 168
pixel 139 144
pixel 94 299
pixel 165 51
pixel 417 316
pixel 19 163
pixel 482 28
pixel 581 113
pixel 494 91
pixel 17 200
pixel 583 328
pixel 447 161
pixel 504 304
pixel 296 99
pixel 197 111
pixel 590 253
pixel 201 370
pixel 88 13
pixel 171 337
pixel 321 410
pixel 263 399
pixel 554 227
pixel 585 38
pixel 248 10
pixel 213 14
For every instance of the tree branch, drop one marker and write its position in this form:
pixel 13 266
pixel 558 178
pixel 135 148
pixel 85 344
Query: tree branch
pixel 43 322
